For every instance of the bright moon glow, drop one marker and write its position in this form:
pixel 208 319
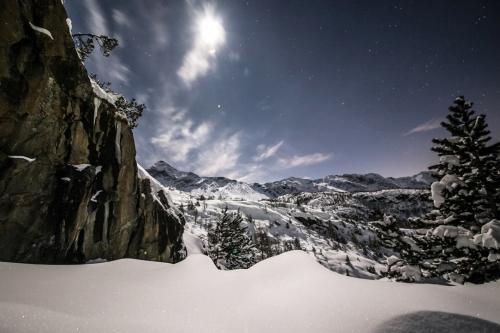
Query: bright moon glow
pixel 208 37
pixel 210 31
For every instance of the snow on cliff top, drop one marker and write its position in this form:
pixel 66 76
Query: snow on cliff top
pixel 288 293
pixel 99 92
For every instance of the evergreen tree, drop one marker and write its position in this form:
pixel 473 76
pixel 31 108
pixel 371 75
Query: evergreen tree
pixel 190 206
pixel 228 244
pixel 296 244
pixel 131 109
pixel 264 244
pixel 461 245
pixel 195 213
pixel 468 191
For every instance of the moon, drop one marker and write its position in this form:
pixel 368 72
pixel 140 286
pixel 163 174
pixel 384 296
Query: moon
pixel 210 31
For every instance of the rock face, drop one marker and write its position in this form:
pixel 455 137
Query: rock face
pixel 69 190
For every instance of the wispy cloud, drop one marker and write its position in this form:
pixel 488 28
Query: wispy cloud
pixel 222 156
pixel 425 127
pixel 209 37
pixel 191 145
pixel 252 173
pixel 95 19
pixel 265 152
pixel 170 130
pixel 182 137
pixel 120 18
pixel 303 160
pixel 160 33
pixel 118 71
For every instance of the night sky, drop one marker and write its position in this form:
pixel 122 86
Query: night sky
pixel 263 90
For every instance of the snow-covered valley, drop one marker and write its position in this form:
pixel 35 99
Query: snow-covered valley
pixel 288 293
pixel 333 225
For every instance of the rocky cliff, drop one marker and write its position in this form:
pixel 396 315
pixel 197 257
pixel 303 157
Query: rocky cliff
pixel 69 189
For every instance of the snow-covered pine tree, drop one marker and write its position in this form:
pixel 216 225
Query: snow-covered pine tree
pixel 393 240
pixel 228 244
pixel 468 191
pixel 463 245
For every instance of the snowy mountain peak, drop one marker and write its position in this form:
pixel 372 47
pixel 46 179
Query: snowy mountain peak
pixel 164 167
pixel 228 188
pixel 207 186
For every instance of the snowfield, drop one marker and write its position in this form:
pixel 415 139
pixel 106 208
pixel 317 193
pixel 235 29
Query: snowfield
pixel 330 218
pixel 283 220
pixel 287 293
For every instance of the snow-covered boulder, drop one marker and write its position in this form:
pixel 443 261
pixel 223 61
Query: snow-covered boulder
pixel 389 220
pixel 465 241
pixel 489 236
pixel 392 260
pixel 449 231
pixel 404 272
pixel 411 273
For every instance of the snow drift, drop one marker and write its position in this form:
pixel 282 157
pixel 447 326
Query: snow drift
pixel 287 293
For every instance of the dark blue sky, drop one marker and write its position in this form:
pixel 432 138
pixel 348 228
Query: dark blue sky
pixel 262 90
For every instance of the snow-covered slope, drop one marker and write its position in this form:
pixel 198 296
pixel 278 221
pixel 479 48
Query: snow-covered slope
pixel 288 293
pixel 333 227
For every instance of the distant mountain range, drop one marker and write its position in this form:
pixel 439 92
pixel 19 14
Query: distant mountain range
pixel 229 188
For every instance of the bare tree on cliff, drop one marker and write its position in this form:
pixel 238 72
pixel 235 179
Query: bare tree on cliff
pixel 85 44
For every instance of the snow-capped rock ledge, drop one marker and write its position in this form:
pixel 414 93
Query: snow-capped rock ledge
pixel 288 293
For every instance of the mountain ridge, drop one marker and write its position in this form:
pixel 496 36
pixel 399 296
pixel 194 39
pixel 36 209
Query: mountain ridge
pixel 225 187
